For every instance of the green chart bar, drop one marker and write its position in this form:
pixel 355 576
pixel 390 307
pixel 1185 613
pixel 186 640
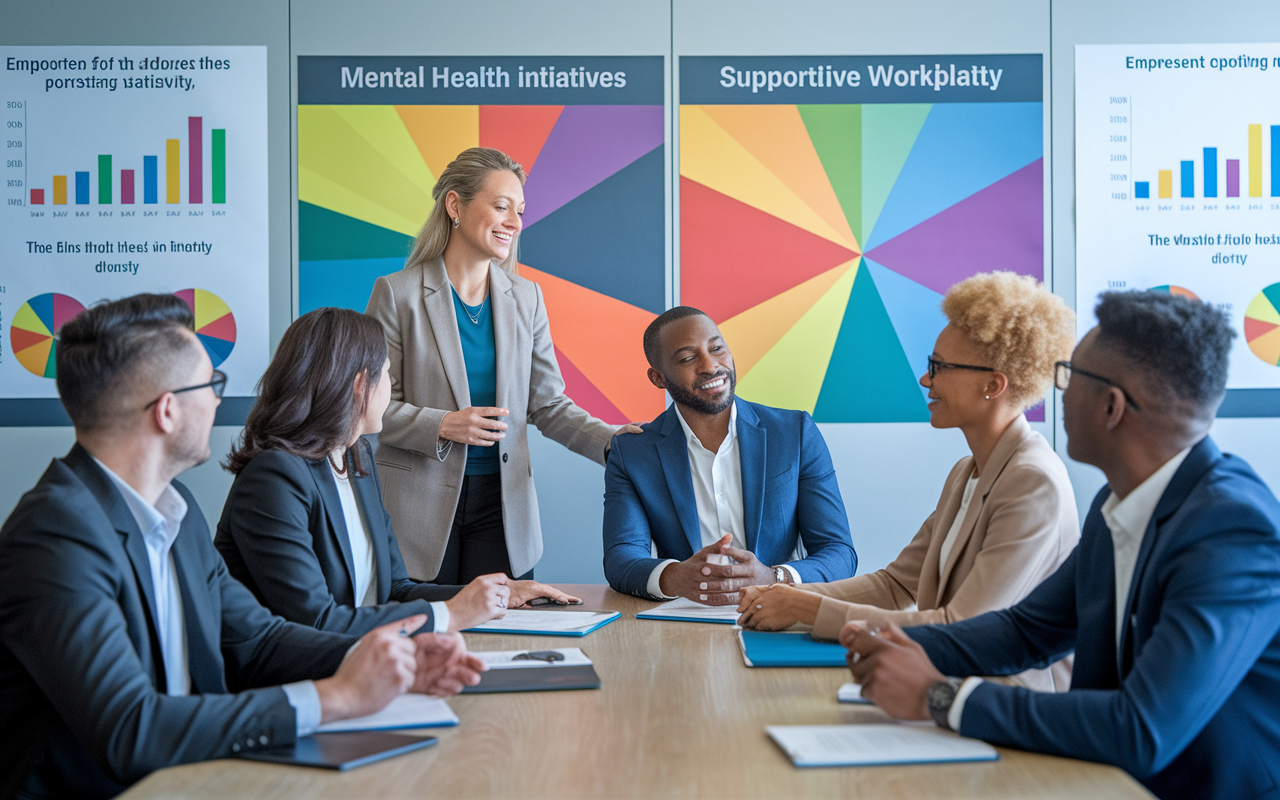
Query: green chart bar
pixel 219 164
pixel 104 180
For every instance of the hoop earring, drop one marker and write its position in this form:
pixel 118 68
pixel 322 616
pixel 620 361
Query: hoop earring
pixel 457 222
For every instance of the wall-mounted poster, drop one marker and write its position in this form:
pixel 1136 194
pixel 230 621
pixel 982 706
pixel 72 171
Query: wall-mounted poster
pixel 827 203
pixel 375 132
pixel 1185 200
pixel 126 170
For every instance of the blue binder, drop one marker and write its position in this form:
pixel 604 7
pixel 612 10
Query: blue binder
pixel 785 649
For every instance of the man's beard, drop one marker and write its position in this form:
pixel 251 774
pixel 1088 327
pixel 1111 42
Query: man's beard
pixel 690 400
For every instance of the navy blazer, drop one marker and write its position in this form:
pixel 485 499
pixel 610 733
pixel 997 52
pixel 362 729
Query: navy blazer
pixel 789 494
pixel 81 676
pixel 1189 703
pixel 284 536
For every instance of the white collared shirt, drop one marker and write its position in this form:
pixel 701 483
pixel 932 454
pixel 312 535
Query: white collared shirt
pixel 949 543
pixel 160 525
pixel 1128 520
pixel 717 491
pixel 365 577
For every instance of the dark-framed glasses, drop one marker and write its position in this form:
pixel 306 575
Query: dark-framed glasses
pixel 218 384
pixel 936 364
pixel 1063 370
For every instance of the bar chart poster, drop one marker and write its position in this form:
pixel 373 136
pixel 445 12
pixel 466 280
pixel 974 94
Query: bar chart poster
pixel 828 203
pixel 375 133
pixel 1178 186
pixel 126 170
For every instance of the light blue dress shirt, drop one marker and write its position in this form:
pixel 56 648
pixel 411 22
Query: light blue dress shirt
pixel 160 525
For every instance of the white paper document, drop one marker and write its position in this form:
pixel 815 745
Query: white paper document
pixel 687 610
pixel 870 745
pixel 506 659
pixel 406 711
pixel 518 620
pixel 851 693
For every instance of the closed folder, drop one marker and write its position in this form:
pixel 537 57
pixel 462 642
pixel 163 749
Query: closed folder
pixel 581 676
pixel 786 649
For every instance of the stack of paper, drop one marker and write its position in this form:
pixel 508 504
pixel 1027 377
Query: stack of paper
pixel 870 745
pixel 851 693
pixel 683 610
pixel 547 623
pixel 406 711
pixel 508 674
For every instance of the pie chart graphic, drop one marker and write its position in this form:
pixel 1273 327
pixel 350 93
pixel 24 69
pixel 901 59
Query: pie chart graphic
pixel 33 334
pixel 1262 325
pixel 215 324
pixel 1176 291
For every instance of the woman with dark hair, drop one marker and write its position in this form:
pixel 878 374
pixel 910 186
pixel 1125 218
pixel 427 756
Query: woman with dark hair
pixel 304 527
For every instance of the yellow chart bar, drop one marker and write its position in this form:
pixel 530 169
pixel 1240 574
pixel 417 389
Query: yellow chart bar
pixel 59 190
pixel 1255 160
pixel 1166 183
pixel 171 166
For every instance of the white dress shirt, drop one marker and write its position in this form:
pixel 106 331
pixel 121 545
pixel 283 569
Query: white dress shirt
pixel 160 525
pixel 949 543
pixel 717 491
pixel 1127 520
pixel 366 571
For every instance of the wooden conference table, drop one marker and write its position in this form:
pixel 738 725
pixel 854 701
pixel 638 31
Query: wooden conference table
pixel 678 715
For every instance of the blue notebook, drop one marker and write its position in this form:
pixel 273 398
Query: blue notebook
pixel 547 623
pixel 785 649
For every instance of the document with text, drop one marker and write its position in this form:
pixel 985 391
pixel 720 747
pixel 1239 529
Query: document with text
pixel 870 745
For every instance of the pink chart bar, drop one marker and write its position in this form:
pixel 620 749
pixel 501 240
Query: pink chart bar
pixel 1233 177
pixel 126 186
pixel 195 156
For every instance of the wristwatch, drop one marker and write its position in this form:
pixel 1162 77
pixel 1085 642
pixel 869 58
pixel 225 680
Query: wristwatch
pixel 940 698
pixel 781 575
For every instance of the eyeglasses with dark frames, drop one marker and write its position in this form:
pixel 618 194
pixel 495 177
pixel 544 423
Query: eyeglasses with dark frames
pixel 1062 371
pixel 218 384
pixel 937 364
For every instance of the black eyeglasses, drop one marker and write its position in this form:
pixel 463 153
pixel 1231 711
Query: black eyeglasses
pixel 218 385
pixel 937 364
pixel 1062 371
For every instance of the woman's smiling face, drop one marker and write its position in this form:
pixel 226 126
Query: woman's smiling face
pixel 490 222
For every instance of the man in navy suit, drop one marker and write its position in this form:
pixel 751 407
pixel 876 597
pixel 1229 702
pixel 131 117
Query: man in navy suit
pixel 121 631
pixel 1171 600
pixel 717 494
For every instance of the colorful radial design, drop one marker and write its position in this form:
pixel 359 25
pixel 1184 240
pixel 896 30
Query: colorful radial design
pixel 1262 325
pixel 821 238
pixel 1176 291
pixel 594 223
pixel 215 324
pixel 33 333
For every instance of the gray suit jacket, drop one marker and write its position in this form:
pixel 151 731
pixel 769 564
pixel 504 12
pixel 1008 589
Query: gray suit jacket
pixel 420 481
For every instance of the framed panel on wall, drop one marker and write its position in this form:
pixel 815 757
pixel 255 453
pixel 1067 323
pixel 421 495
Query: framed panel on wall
pixel 374 133
pixel 856 191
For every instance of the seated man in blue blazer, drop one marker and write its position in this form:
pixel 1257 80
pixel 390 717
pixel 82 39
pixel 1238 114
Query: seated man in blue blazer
pixel 121 630
pixel 1171 601
pixel 717 494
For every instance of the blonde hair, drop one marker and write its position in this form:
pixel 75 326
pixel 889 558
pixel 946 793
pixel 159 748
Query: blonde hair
pixel 465 175
pixel 1020 327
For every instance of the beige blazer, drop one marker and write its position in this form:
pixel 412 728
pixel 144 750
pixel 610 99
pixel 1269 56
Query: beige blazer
pixel 422 476
pixel 1020 526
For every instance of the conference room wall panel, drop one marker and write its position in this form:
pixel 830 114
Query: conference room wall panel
pixel 890 472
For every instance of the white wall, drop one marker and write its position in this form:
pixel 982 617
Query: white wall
pixel 890 474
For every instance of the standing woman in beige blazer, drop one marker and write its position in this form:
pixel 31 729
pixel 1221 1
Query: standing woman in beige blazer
pixel 1006 518
pixel 471 363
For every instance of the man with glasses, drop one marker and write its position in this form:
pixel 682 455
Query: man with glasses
pixel 1171 601
pixel 121 631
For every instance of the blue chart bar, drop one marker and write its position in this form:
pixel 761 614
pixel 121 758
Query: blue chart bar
pixel 82 188
pixel 1275 160
pixel 1210 172
pixel 1188 179
pixel 148 179
pixel 1142 189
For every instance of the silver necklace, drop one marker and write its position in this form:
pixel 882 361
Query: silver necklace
pixel 476 319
